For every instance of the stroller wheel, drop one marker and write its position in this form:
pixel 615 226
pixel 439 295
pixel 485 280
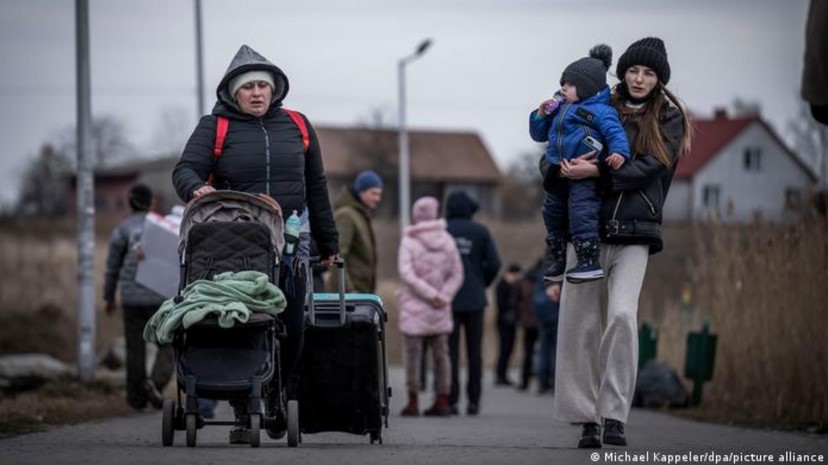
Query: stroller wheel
pixel 255 429
pixel 293 423
pixel 191 429
pixel 167 431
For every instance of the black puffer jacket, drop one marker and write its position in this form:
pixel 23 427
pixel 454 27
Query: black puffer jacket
pixel 260 155
pixel 634 195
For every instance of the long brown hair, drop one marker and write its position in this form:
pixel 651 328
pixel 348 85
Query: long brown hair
pixel 651 139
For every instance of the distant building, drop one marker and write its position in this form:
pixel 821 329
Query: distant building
pixel 440 162
pixel 738 169
pixel 113 183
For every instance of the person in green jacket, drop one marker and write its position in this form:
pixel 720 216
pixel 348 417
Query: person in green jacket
pixel 352 212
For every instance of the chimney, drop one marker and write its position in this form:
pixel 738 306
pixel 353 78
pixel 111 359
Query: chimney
pixel 720 113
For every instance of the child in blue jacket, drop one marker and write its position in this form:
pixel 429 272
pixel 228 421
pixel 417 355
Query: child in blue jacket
pixel 579 113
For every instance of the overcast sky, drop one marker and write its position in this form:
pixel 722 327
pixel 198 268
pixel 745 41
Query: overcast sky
pixel 491 62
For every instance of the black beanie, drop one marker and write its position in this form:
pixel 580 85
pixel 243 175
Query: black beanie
pixel 140 197
pixel 649 52
pixel 589 74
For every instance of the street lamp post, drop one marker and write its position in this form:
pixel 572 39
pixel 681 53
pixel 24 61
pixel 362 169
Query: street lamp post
pixel 404 169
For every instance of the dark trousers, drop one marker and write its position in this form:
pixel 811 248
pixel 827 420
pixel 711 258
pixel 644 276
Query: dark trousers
pixel 135 318
pixel 293 317
pixel 575 210
pixel 530 337
pixel 506 334
pixel 294 320
pixel 546 360
pixel 472 322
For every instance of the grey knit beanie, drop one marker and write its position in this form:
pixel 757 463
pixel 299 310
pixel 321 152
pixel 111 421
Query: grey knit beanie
pixel 589 74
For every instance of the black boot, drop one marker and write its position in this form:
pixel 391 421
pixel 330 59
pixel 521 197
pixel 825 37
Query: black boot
pixel 588 268
pixel 590 436
pixel 240 433
pixel 555 259
pixel 614 433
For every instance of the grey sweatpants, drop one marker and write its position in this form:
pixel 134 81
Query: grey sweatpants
pixel 597 356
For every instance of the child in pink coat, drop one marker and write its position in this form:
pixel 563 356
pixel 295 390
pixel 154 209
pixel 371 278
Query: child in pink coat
pixel 431 273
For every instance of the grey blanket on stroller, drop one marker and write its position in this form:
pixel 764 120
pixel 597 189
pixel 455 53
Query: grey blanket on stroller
pixel 231 297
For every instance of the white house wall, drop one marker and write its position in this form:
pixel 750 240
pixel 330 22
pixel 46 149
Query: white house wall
pixel 742 193
pixel 677 205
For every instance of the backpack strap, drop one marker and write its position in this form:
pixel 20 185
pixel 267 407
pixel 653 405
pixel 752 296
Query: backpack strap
pixel 222 124
pixel 300 122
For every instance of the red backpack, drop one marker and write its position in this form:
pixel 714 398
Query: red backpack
pixel 221 132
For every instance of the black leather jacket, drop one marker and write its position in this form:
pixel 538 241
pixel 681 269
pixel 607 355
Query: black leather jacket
pixel 634 195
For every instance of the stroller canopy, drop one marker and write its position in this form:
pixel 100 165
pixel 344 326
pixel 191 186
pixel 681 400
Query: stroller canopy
pixel 234 206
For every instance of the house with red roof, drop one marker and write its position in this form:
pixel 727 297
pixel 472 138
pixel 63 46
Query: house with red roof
pixel 738 169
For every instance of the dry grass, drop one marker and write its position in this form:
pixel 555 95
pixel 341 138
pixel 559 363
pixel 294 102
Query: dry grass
pixel 38 295
pixel 763 289
pixel 59 403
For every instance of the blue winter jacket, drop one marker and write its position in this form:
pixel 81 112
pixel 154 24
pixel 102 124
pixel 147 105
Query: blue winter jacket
pixel 572 122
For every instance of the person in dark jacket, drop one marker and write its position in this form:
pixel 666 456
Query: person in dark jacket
pixel 597 363
pixel 528 323
pixel 480 266
pixel 265 151
pixel 139 304
pixel 569 126
pixel 507 294
pixel 546 299
pixel 354 207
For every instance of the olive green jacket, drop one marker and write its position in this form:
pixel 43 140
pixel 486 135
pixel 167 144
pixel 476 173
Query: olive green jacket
pixel 356 244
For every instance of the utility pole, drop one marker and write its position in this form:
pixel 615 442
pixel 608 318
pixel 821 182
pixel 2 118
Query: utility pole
pixel 85 200
pixel 199 63
pixel 405 163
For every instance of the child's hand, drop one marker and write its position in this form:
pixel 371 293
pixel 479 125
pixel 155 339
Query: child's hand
pixel 615 160
pixel 547 107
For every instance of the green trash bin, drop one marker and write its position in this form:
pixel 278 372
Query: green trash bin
pixel 700 360
pixel 647 344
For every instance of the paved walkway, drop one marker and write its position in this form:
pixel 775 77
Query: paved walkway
pixel 513 428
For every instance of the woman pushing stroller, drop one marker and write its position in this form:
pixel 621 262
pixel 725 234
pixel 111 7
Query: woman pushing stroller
pixel 266 149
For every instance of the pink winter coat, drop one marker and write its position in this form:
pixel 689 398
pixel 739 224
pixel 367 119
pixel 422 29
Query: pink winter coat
pixel 429 266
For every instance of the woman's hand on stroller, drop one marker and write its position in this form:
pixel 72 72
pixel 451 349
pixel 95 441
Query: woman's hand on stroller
pixel 329 261
pixel 205 189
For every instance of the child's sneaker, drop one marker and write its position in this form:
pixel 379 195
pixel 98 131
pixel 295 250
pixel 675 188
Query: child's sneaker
pixel 587 269
pixel 556 258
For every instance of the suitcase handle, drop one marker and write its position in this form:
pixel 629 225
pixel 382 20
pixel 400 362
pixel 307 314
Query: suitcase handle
pixel 339 264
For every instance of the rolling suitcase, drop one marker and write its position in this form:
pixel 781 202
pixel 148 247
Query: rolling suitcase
pixel 341 380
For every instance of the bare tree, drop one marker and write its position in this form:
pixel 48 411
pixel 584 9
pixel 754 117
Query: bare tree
pixel 376 146
pixel 109 140
pixel 172 129
pixel 743 107
pixel 43 190
pixel 523 187
pixel 810 141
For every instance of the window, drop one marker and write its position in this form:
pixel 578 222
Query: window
pixel 793 199
pixel 710 196
pixel 753 159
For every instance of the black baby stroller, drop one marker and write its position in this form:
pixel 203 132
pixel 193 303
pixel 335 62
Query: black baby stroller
pixel 230 231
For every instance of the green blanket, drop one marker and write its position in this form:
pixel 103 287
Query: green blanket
pixel 230 297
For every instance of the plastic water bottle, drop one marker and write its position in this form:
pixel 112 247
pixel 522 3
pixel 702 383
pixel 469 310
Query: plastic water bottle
pixel 292 226
pixel 557 99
